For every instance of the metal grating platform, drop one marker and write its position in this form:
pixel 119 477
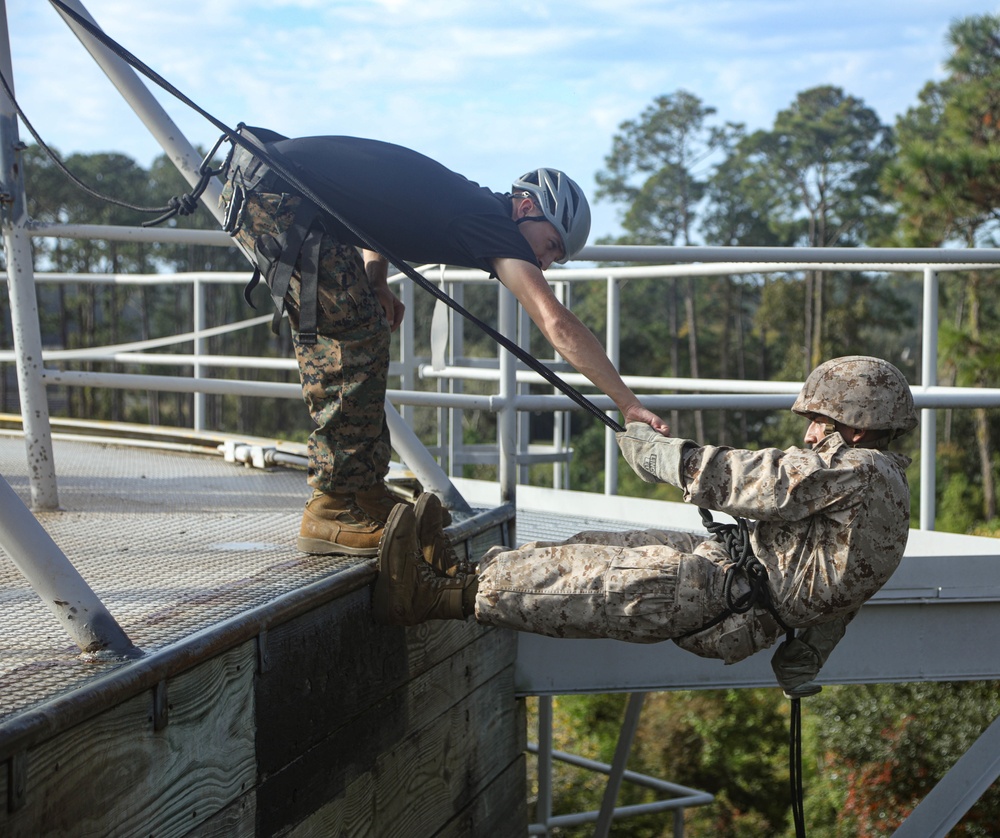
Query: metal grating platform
pixel 173 543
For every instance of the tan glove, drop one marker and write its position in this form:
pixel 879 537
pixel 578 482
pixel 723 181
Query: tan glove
pixel 654 457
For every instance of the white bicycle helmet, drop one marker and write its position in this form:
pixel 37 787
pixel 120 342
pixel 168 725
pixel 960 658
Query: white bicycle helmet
pixel 563 205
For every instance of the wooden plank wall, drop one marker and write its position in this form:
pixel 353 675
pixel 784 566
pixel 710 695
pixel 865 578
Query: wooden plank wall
pixel 116 775
pixel 364 730
pixel 326 725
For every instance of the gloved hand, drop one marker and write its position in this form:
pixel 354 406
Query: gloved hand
pixel 654 457
pixel 796 664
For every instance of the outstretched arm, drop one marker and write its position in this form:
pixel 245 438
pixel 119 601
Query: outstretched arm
pixel 571 339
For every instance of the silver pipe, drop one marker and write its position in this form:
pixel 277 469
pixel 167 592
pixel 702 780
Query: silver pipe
pixel 507 417
pixel 823 255
pixel 635 382
pixel 109 232
pixel 625 737
pixel 612 309
pixel 545 725
pixel 180 152
pixel 56 581
pixel 23 299
pixel 421 463
pixel 928 418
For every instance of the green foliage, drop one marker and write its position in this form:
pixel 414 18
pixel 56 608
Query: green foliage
pixel 92 315
pixel 731 743
pixel 888 745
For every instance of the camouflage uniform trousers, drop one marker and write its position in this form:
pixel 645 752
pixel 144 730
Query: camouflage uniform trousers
pixel 641 586
pixel 344 374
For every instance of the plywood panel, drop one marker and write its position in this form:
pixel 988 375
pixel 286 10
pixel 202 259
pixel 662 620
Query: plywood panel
pixel 440 770
pixel 499 811
pixel 357 741
pixel 115 776
pixel 334 662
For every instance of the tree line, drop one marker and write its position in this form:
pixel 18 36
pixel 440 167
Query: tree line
pixel 826 173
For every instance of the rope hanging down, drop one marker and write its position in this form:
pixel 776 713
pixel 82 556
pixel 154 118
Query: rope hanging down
pixel 62 166
pixel 296 182
pixel 736 540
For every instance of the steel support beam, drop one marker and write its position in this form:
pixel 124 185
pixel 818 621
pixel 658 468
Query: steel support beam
pixel 23 299
pixel 57 582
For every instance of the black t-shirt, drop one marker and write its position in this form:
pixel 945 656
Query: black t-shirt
pixel 411 205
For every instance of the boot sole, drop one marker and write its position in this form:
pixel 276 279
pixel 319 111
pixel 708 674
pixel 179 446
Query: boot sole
pixel 318 547
pixel 380 597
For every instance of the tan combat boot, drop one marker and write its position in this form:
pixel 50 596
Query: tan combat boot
pixel 377 501
pixel 333 523
pixel 407 590
pixel 437 548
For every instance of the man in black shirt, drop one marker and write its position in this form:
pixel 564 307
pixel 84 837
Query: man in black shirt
pixel 421 212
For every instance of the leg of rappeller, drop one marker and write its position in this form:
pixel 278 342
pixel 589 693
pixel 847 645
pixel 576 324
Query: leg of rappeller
pixel 580 590
pixel 408 591
pixel 343 370
pixel 344 375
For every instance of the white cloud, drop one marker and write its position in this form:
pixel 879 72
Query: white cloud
pixel 490 87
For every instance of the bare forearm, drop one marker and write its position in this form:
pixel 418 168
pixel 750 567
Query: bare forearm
pixel 578 345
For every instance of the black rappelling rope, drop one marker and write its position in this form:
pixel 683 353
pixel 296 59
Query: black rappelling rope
pixel 795 767
pixel 62 166
pixel 735 538
pixel 296 182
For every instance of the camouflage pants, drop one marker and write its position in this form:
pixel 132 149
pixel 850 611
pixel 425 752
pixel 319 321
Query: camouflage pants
pixel 641 586
pixel 344 374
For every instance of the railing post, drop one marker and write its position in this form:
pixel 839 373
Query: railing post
pixel 625 738
pixel 613 309
pixel 507 415
pixel 407 348
pixel 456 354
pixel 198 317
pixel 561 436
pixel 56 581
pixel 23 299
pixel 928 416
pixel 543 809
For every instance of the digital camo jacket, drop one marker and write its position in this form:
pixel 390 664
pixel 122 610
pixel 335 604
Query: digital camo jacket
pixel 829 524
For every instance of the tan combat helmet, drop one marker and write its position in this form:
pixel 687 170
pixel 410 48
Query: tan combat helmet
pixel 864 393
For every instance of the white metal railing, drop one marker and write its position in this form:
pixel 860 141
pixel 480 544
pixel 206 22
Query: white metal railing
pixel 443 362
pixel 509 402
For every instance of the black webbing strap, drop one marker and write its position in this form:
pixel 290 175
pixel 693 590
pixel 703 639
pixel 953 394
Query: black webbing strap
pixel 309 291
pixel 291 242
pixel 303 188
pixel 736 539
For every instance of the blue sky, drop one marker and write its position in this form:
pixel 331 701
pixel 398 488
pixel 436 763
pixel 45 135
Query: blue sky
pixel 489 88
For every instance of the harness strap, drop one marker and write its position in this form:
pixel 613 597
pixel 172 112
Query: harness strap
pixel 276 258
pixel 736 539
pixel 309 293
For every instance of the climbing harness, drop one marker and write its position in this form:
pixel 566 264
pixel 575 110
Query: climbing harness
pixel 745 565
pixel 308 194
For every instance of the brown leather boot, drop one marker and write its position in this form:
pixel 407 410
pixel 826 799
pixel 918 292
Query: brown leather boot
pixel 435 545
pixel 407 590
pixel 377 501
pixel 334 524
